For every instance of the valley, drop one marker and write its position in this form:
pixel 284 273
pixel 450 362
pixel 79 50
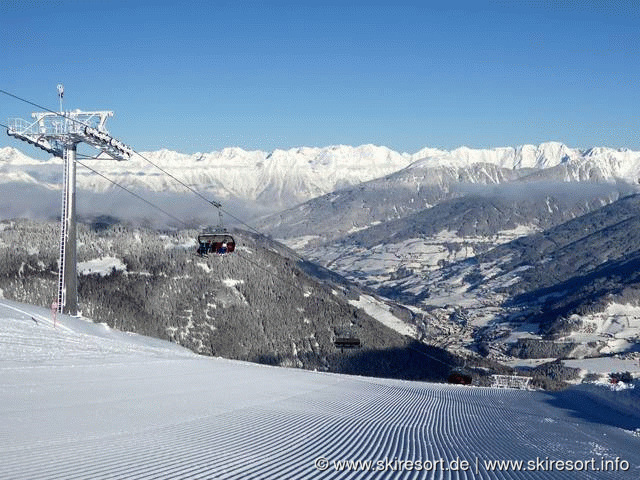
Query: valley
pixel 468 251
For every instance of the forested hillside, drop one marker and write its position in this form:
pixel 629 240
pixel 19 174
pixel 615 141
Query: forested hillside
pixel 257 304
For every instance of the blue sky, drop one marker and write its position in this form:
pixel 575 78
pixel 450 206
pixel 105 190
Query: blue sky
pixel 204 75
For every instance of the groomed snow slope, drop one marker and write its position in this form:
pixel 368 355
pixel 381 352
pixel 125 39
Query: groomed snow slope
pixel 82 401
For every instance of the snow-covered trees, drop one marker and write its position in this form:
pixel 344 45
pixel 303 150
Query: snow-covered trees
pixel 257 304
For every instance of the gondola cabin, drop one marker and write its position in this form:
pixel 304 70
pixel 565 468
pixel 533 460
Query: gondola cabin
pixel 219 243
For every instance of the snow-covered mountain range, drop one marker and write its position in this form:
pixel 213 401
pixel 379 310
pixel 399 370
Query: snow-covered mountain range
pixel 390 221
pixel 280 178
pixel 399 234
pixel 283 178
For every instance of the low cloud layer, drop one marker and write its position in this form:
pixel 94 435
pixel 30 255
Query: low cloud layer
pixel 574 191
pixel 20 200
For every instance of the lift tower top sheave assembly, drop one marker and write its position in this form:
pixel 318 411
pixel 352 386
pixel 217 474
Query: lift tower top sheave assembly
pixel 59 134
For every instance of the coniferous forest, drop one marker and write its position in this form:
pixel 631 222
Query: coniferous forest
pixel 259 304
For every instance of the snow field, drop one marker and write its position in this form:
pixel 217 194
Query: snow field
pixel 618 326
pixel 381 312
pixel 102 266
pixel 85 402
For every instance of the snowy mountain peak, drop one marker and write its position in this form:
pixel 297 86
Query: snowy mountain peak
pixel 283 178
pixel 607 162
pixel 13 156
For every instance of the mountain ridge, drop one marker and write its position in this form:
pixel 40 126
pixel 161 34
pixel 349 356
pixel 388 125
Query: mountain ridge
pixel 284 178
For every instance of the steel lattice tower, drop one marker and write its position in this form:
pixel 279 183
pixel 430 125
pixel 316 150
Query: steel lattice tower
pixel 59 134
